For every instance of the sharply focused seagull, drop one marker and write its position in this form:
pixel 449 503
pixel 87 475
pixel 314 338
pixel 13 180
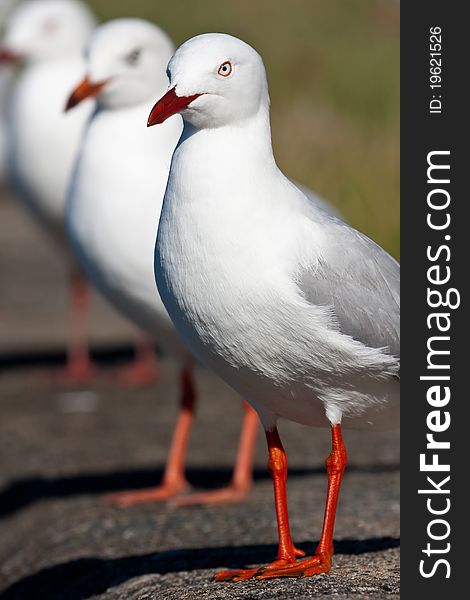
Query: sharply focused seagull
pixel 296 310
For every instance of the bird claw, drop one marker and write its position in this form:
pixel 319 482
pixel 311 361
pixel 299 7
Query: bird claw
pixel 236 575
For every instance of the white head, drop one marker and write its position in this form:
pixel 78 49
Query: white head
pixel 215 80
pixel 126 62
pixel 43 29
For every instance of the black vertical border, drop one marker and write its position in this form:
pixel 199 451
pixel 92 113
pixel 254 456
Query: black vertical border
pixel 421 133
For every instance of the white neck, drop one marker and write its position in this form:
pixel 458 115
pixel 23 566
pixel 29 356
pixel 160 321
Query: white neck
pixel 245 144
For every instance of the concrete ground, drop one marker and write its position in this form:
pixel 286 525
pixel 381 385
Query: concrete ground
pixel 61 449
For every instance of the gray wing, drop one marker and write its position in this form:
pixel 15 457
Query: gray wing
pixel 361 282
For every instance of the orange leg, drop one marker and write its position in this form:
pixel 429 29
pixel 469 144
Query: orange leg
pixel 242 478
pixel 286 565
pixel 79 368
pixel 174 480
pixel 144 368
pixel 287 553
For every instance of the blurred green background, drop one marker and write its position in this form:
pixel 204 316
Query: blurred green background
pixel 333 70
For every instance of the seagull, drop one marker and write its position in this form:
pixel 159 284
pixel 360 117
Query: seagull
pixel 295 309
pixel 47 38
pixel 113 207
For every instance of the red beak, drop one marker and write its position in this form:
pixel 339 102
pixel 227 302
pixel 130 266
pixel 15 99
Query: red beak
pixel 169 105
pixel 8 57
pixel 85 89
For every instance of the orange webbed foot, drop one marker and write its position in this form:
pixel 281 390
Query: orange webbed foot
pixel 243 574
pixel 314 565
pixel 228 495
pixel 138 373
pixel 158 494
pixel 73 374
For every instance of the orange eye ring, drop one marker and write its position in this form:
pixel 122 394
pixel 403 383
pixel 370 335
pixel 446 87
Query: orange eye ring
pixel 225 69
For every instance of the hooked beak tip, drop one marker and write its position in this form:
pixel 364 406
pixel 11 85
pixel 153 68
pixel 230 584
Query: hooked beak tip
pixel 170 104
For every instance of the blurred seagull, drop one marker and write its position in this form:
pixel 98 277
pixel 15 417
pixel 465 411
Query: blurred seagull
pixel 296 310
pixel 48 37
pixel 112 214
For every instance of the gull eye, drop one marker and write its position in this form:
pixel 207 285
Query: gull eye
pixel 133 57
pixel 225 69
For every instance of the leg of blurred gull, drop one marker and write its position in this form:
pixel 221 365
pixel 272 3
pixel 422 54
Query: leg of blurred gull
pixel 242 478
pixel 174 480
pixel 79 367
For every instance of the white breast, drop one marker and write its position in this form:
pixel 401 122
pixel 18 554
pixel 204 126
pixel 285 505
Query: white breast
pixel 226 256
pixel 113 213
pixel 44 139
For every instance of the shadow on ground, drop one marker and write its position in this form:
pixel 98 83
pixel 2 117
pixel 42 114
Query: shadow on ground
pixel 85 577
pixel 103 355
pixel 23 492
